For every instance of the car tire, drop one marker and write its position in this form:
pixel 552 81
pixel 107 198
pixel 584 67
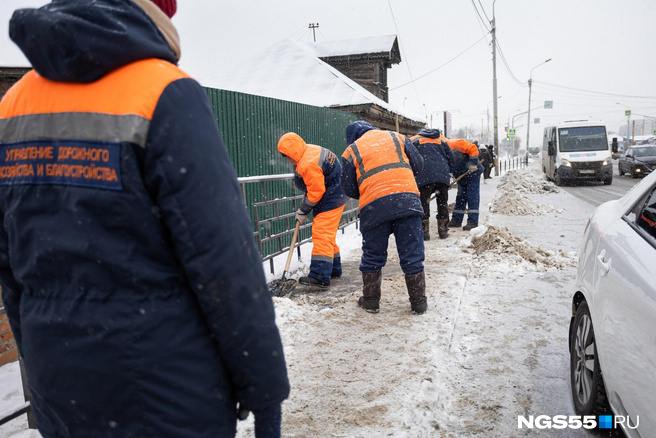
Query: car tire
pixel 608 181
pixel 558 180
pixel 588 390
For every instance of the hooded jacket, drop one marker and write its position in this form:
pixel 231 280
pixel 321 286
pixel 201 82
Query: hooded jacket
pixel 465 154
pixel 128 268
pixel 317 173
pixel 438 158
pixel 384 182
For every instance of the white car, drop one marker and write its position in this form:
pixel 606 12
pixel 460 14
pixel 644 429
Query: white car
pixel 613 326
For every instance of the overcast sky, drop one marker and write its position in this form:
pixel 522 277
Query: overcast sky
pixel 598 45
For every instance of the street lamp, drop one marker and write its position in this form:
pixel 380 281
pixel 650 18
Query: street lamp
pixel 528 122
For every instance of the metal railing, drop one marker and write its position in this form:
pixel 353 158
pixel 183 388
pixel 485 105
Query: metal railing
pixel 512 163
pixel 272 202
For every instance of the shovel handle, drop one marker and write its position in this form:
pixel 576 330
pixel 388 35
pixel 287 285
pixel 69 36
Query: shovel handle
pixel 291 248
pixel 469 172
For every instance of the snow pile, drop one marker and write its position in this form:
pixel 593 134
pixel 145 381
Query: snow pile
pixel 526 181
pixel 512 199
pixel 501 242
pixel 515 203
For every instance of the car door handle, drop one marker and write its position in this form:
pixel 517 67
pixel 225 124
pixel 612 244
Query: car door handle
pixel 604 262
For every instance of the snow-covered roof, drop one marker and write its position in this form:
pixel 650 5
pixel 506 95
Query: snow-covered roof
pixel 356 46
pixel 291 70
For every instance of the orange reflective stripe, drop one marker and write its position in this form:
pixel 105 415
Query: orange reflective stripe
pixel 132 89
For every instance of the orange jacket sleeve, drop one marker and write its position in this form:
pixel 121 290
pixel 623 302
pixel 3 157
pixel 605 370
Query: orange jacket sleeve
pixel 314 182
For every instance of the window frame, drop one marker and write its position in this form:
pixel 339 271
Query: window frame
pixel 636 208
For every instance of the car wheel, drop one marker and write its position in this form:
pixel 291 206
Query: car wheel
pixel 608 181
pixel 587 382
pixel 558 180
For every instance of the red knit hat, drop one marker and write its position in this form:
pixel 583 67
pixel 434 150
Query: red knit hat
pixel 167 6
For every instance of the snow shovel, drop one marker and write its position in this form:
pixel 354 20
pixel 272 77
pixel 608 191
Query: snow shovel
pixel 283 286
pixel 455 181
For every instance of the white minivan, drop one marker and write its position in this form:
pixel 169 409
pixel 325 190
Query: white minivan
pixel 576 151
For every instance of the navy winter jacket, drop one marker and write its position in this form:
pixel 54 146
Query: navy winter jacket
pixel 135 292
pixel 438 158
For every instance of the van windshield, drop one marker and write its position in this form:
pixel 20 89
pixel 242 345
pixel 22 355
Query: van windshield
pixel 585 138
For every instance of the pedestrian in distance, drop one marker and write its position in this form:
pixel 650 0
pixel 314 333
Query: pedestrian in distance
pixel 129 273
pixel 317 172
pixel 485 157
pixel 379 169
pixel 468 198
pixel 434 178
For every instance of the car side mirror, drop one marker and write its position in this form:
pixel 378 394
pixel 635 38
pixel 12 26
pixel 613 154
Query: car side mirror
pixel 551 150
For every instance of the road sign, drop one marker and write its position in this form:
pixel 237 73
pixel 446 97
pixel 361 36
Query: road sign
pixel 627 113
pixel 548 104
pixel 511 133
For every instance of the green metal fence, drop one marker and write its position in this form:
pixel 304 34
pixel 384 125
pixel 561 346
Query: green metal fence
pixel 251 126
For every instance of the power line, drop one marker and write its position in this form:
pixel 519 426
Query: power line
pixel 479 15
pixel 505 63
pixel 423 75
pixel 407 61
pixel 483 9
pixel 600 93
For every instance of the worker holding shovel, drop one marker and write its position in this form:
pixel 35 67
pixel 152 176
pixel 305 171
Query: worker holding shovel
pixel 467 171
pixel 318 173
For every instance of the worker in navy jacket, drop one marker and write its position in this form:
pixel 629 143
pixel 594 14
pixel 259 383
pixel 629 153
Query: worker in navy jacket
pixel 129 273
pixel 379 169
pixel 467 165
pixel 434 178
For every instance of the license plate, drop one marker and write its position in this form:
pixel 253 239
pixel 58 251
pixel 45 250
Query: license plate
pixel 587 171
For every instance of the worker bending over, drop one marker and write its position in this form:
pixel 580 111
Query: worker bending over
pixel 318 174
pixel 379 170
pixel 465 156
pixel 434 178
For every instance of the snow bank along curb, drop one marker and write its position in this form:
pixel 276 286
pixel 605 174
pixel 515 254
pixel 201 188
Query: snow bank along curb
pixel 512 200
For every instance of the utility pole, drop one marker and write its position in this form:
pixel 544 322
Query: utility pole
pixel 528 122
pixel 495 102
pixel 314 27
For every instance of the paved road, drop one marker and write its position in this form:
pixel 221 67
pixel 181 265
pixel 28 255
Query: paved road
pixel 597 193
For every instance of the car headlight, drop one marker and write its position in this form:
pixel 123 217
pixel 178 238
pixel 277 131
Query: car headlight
pixel 605 163
pixel 564 162
pixel 638 170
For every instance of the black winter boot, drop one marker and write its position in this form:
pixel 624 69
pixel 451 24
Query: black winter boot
pixel 313 282
pixel 443 228
pixel 416 284
pixel 425 224
pixel 470 226
pixel 453 224
pixel 370 299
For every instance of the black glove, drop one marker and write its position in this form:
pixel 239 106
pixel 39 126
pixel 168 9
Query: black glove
pixel 268 422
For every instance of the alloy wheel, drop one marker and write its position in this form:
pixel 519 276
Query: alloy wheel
pixel 584 348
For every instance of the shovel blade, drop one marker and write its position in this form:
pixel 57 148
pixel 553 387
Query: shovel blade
pixel 282 287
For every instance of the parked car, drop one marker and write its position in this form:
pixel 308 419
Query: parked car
pixel 638 160
pixel 612 336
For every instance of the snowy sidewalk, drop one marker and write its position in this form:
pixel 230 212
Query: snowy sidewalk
pixel 493 344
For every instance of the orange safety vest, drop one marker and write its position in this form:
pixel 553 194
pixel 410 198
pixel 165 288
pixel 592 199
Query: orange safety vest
pixel 381 165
